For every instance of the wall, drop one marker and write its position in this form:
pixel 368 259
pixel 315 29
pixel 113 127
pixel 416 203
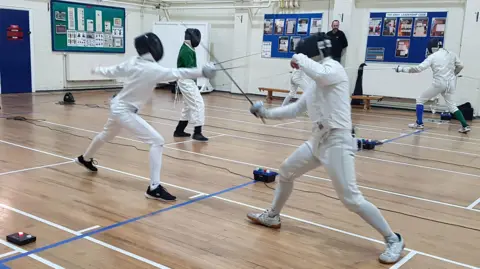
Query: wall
pixel 48 71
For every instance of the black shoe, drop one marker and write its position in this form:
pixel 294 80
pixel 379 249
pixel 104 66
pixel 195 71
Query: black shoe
pixel 199 137
pixel 182 134
pixel 159 193
pixel 89 165
pixel 180 130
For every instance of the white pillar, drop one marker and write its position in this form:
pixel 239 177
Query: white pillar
pixel 469 84
pixel 241 47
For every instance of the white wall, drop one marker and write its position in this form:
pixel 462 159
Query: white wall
pixel 47 66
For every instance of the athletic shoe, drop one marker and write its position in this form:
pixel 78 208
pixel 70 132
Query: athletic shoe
pixel 159 193
pixel 265 220
pixel 89 165
pixel 465 129
pixel 416 126
pixel 393 250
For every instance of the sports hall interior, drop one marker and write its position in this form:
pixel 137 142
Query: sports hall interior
pixel 425 182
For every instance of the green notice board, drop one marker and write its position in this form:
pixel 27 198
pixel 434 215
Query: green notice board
pixel 78 27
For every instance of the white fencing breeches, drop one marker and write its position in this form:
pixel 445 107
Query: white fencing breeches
pixel 336 153
pixel 194 108
pixel 446 89
pixel 123 116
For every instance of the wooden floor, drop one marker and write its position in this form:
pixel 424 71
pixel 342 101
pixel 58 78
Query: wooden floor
pixel 426 184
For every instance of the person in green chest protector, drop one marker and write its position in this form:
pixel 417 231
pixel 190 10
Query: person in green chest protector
pixel 194 108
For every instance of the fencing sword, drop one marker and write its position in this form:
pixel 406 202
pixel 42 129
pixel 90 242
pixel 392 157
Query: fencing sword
pixel 226 73
pixel 238 58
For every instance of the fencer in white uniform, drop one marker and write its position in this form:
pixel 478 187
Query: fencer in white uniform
pixel 297 80
pixel 446 65
pixel 142 74
pixel 331 143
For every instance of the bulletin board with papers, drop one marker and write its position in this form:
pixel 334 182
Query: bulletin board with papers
pixel 282 32
pixel 402 37
pixel 78 27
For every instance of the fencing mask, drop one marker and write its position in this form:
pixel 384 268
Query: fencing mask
pixel 149 43
pixel 433 45
pixel 317 46
pixel 194 36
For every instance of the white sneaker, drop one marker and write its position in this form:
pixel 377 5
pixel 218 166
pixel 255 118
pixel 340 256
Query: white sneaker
pixel 393 250
pixel 464 129
pixel 416 126
pixel 265 220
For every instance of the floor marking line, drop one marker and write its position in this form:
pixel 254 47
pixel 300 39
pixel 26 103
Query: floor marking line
pixel 34 168
pixel 88 229
pixel 118 224
pixel 474 204
pixel 404 260
pixel 65 229
pixel 33 256
pixel 256 165
pixel 215 195
pixel 8 253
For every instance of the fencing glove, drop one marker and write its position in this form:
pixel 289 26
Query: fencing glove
pixel 209 70
pixel 258 109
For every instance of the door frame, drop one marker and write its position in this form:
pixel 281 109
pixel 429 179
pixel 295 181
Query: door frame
pixel 32 49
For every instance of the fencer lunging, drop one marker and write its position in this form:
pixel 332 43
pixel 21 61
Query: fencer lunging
pixel 194 108
pixel 142 73
pixel 331 143
pixel 297 80
pixel 446 65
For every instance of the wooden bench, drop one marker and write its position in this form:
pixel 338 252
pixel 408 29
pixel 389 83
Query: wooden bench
pixel 366 98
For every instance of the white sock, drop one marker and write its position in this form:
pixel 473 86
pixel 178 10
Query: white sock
pixel 156 152
pixel 282 193
pixel 373 216
pixel 96 144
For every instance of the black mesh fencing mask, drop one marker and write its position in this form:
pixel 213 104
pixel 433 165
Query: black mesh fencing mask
pixel 149 43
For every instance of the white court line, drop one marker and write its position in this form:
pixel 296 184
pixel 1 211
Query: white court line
pixel 357 114
pixel 239 203
pixel 396 143
pixel 8 254
pixel 197 195
pixel 33 168
pixel 33 256
pixel 306 175
pixel 404 260
pixel 359 156
pixel 474 204
pixel 65 229
pixel 89 229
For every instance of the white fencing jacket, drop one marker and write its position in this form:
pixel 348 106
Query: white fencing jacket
pixel 327 98
pixel 445 66
pixel 142 76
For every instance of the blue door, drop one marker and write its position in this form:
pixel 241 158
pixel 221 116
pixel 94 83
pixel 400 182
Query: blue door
pixel 15 58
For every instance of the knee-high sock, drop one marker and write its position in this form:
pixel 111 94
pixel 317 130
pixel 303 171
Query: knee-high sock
pixel 419 113
pixel 96 144
pixel 156 152
pixel 374 217
pixel 282 193
pixel 459 116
